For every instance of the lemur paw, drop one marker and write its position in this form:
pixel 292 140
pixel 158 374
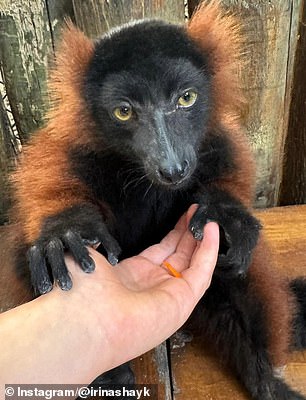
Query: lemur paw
pixel 239 232
pixel 71 230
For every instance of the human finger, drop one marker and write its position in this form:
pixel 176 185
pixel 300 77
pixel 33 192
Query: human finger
pixel 158 252
pixel 203 261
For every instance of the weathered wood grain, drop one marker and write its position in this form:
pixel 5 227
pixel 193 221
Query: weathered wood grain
pixel 270 31
pixel 153 368
pixel 95 17
pixel 6 159
pixel 27 30
pixel 25 42
pixel 58 12
pixel 293 188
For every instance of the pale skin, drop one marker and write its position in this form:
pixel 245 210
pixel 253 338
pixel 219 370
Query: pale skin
pixel 110 316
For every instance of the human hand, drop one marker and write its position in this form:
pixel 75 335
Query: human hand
pixel 111 315
pixel 137 304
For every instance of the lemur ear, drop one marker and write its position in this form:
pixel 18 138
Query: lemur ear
pixel 218 35
pixel 71 60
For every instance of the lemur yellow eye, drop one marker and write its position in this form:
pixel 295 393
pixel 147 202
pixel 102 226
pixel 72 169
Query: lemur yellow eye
pixel 123 113
pixel 188 99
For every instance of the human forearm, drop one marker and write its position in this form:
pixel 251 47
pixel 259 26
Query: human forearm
pixel 48 341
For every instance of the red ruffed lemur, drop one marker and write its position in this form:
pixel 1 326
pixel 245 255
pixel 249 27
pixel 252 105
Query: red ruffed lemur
pixel 146 122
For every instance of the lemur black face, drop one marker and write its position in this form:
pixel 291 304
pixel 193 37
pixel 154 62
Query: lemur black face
pixel 148 88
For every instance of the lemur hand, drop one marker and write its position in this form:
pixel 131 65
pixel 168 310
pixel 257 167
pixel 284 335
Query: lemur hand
pixel 239 231
pixel 72 230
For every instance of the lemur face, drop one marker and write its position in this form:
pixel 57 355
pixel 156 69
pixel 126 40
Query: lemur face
pixel 148 89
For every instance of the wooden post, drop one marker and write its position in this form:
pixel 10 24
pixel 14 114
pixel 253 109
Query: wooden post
pixel 58 11
pixel 6 158
pixel 293 188
pixel 25 42
pixel 27 30
pixel 270 29
pixel 97 16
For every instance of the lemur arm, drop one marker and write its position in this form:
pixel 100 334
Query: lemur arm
pixel 56 212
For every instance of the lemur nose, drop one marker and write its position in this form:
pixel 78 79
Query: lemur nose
pixel 174 173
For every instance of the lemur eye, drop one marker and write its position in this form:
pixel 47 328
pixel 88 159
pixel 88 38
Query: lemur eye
pixel 123 113
pixel 187 99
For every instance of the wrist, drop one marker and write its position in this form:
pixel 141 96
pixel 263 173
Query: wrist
pixel 73 324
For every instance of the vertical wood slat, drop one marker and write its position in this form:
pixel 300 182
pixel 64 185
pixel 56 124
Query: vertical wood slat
pixel 293 187
pixel 153 368
pixel 270 31
pixel 27 30
pixel 6 157
pixel 192 4
pixel 25 42
pixel 58 12
pixel 95 17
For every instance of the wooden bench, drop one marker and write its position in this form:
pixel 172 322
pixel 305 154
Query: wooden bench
pixel 181 369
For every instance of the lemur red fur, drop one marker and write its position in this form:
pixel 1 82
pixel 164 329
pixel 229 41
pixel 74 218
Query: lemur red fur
pixel 45 187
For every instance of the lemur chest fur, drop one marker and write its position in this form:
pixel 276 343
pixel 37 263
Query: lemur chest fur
pixel 142 211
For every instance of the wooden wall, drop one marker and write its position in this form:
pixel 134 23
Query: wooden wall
pixel 273 79
pixel 293 186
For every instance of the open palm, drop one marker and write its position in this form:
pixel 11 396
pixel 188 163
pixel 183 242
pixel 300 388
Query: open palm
pixel 138 303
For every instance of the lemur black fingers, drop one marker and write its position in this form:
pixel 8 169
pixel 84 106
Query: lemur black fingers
pixel 238 234
pixel 122 375
pixel 94 243
pixel 110 245
pixel 196 232
pixel 39 274
pixel 197 222
pixel 69 231
pixel 112 259
pixel 55 256
pixel 75 244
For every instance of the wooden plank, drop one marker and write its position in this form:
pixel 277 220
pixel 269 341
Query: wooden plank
pixel 57 11
pixel 269 28
pixel 27 31
pixel 6 157
pixel 95 17
pixel 25 42
pixel 293 188
pixel 197 373
pixel 153 368
pixel 192 5
pixel 285 229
